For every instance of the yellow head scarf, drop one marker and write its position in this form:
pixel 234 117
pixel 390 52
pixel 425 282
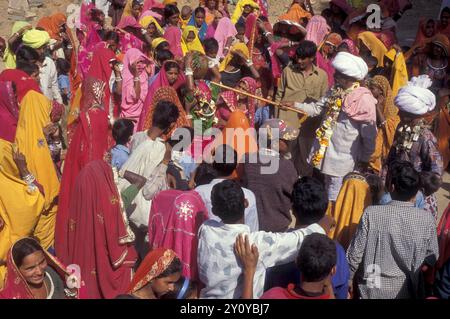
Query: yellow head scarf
pixel 239 46
pixel 9 57
pixel 240 9
pixel 34 115
pixel 195 45
pixel 399 70
pixel 20 207
pixel 146 21
pixel 376 47
pixel 35 38
pixel 157 42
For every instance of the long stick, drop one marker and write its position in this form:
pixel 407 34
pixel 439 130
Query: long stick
pixel 259 98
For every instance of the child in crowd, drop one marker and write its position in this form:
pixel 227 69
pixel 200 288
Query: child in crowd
pixel 184 289
pixel 122 131
pixel 63 68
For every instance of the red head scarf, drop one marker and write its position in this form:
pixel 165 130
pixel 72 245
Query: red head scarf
pixel 23 82
pixel 9 112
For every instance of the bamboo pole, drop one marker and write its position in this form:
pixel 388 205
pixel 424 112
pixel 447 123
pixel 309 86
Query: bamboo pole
pixel 260 99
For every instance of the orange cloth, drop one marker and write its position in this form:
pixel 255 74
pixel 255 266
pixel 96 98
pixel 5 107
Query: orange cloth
pixel 295 13
pixel 443 130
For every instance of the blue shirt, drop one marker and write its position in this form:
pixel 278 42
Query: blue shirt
pixel 283 275
pixel 64 83
pixel 420 200
pixel 119 154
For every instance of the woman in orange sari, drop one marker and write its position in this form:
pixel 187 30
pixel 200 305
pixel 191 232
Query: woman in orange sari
pixel 425 33
pixel 387 120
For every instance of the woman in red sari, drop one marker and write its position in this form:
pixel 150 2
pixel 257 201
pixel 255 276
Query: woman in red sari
pixel 172 211
pixel 99 238
pixel 35 274
pixel 157 275
pixel 22 82
pixel 91 140
pixel 9 111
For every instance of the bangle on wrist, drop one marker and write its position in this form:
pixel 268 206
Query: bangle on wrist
pixel 188 72
pixel 249 63
pixel 136 79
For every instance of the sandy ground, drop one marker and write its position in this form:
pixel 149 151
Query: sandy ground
pixel 407 29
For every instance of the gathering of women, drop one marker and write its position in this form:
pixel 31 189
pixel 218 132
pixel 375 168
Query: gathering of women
pixel 215 149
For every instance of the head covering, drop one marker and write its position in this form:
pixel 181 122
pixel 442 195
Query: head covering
pixel 295 13
pixel 389 108
pixel 99 238
pixel 194 45
pixel 350 65
pixel 333 39
pixel 167 2
pixel 35 38
pixel 173 36
pixel 415 98
pixel 153 265
pixel 442 41
pixel 175 218
pixel 52 24
pixel 376 47
pixel 238 46
pixel 360 105
pixel 225 29
pixel 147 20
pixel 240 9
pixel 157 41
pixel 9 112
pixel 317 29
pixel 202 30
pixel 128 21
pixel 22 81
pixel 16 286
pixel 351 46
pixel 166 93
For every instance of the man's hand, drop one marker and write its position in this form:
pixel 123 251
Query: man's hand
pixel 248 255
pixel 327 223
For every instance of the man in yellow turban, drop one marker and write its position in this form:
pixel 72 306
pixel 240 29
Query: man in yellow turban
pixel 36 39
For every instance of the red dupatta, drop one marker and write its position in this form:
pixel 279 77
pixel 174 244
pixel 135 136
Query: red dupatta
pixel 173 36
pixel 23 82
pixel 99 239
pixel 175 218
pixel 91 140
pixel 9 112
pixel 16 287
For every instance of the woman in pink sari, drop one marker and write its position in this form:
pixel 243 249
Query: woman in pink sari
pixel 175 218
pixel 326 53
pixel 135 84
pixel 99 238
pixel 317 29
pixel 224 31
pixel 9 112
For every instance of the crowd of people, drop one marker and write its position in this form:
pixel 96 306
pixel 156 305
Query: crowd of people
pixel 177 152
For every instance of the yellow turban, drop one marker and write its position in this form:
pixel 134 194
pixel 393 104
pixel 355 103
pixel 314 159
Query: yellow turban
pixel 240 9
pixel 146 21
pixel 157 42
pixel 239 46
pixel 35 38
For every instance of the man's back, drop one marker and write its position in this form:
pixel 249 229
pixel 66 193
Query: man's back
pixel 390 246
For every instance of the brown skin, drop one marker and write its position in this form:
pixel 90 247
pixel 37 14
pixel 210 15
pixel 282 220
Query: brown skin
pixel 429 29
pixel 174 20
pixel 247 10
pixel 172 75
pixel 19 33
pixel 136 11
pixel 199 19
pixel 190 37
pixel 378 94
pixel 321 287
pixel 186 12
pixel 158 287
pixel 444 19
pixel 248 256
pixel 33 271
pixel 118 75
pixel 211 5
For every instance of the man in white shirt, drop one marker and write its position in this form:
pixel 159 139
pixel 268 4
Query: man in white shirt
pixel 218 266
pixel 225 163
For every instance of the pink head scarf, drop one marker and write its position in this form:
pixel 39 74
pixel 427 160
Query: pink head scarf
pixel 128 21
pixel 150 4
pixel 351 46
pixel 173 36
pixel 360 105
pixel 147 13
pixel 175 218
pixel 317 29
pixel 132 105
pixel 225 29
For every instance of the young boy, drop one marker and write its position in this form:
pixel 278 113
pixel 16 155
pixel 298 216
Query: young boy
pixel 219 270
pixel 309 205
pixel 122 131
pixel 211 47
pixel 63 68
pixel 186 13
pixel 317 263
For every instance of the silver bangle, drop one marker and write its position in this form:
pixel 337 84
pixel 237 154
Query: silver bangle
pixel 188 72
pixel 29 179
pixel 249 63
pixel 137 80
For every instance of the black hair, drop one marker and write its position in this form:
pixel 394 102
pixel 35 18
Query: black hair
pixel 376 187
pixel 95 14
pixel 309 200
pixel 370 60
pixel 199 9
pixel 122 130
pixel 228 201
pixel 26 54
pixel 23 248
pixel 28 68
pixel 171 65
pixel 211 45
pixel 326 13
pixel 165 114
pixel 169 11
pixel 112 35
pixel 172 141
pixel 204 174
pixel 445 10
pixel 316 258
pixel 137 3
pixel 430 183
pixel 225 160
pixel 240 26
pixel 192 287
pixel 174 267
pixel 306 49
pixel 62 66
pixel 406 180
pixel 163 55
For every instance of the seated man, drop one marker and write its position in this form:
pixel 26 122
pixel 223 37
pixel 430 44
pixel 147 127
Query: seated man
pixel 317 263
pixel 218 268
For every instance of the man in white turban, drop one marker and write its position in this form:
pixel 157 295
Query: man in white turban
pixel 414 141
pixel 346 139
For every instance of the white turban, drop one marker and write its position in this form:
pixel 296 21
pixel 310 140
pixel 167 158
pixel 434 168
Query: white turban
pixel 415 98
pixel 350 65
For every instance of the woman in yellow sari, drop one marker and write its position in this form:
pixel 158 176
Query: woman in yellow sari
pixel 34 116
pixel 190 40
pixel 398 70
pixel 20 204
pixel 387 120
pixel 368 43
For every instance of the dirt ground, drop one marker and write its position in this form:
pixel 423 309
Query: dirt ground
pixel 407 28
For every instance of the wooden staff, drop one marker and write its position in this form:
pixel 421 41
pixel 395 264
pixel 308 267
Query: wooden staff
pixel 260 98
